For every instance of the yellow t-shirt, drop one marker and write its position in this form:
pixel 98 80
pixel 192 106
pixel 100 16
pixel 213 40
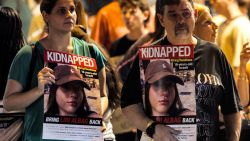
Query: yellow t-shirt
pixel 231 37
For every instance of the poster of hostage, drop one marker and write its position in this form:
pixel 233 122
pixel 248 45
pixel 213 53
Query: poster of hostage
pixel 72 105
pixel 168 80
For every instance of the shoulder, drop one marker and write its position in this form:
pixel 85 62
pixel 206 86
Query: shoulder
pixel 25 52
pixel 82 43
pixel 207 48
pixel 78 42
pixel 242 20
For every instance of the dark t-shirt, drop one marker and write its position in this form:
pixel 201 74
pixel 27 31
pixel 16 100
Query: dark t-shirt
pixel 214 87
pixel 120 46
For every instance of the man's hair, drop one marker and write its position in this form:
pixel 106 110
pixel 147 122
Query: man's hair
pixel 142 4
pixel 162 3
pixel 243 3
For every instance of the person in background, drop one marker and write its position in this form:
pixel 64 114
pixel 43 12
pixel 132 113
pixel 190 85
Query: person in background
pixel 23 8
pixel 178 19
pixel 205 28
pixel 243 88
pixel 136 16
pixel 109 25
pixel 60 18
pixel 233 33
pixel 11 41
pixel 244 75
pixel 92 7
pixel 37 26
pixel 128 58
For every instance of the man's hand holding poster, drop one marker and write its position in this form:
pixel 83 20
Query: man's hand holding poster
pixel 167 78
pixel 72 106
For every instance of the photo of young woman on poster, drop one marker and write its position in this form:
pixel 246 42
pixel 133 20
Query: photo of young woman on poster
pixel 161 93
pixel 67 96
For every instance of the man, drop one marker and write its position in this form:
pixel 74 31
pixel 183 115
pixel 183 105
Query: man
pixel 136 16
pixel 214 80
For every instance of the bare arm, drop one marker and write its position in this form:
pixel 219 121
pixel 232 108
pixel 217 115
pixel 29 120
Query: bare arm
pixel 139 119
pixel 233 126
pixel 242 76
pixel 103 90
pixel 15 99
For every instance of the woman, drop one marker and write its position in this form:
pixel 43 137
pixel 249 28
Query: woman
pixel 67 96
pixel 161 94
pixel 11 41
pixel 60 18
pixel 205 28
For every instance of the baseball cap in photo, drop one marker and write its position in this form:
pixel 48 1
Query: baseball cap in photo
pixel 159 69
pixel 66 73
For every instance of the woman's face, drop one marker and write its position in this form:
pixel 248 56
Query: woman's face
pixel 62 17
pixel 205 28
pixel 68 100
pixel 161 97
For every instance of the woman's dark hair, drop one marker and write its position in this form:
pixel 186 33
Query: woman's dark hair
pixel 76 86
pixel 48 5
pixel 175 109
pixel 114 86
pixel 11 40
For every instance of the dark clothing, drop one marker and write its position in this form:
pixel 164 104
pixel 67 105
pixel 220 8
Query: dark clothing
pixel 214 86
pixel 93 6
pixel 120 46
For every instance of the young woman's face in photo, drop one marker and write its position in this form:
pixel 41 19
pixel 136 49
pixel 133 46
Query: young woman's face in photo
pixel 68 100
pixel 161 97
pixel 62 17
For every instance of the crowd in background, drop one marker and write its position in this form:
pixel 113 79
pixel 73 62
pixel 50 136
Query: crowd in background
pixel 119 27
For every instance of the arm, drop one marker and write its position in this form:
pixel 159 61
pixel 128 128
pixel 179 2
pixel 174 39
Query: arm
pixel 14 97
pixel 139 119
pixel 103 90
pixel 242 77
pixel 233 126
pixel 136 113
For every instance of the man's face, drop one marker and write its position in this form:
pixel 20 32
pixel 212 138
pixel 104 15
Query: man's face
pixel 179 21
pixel 133 17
